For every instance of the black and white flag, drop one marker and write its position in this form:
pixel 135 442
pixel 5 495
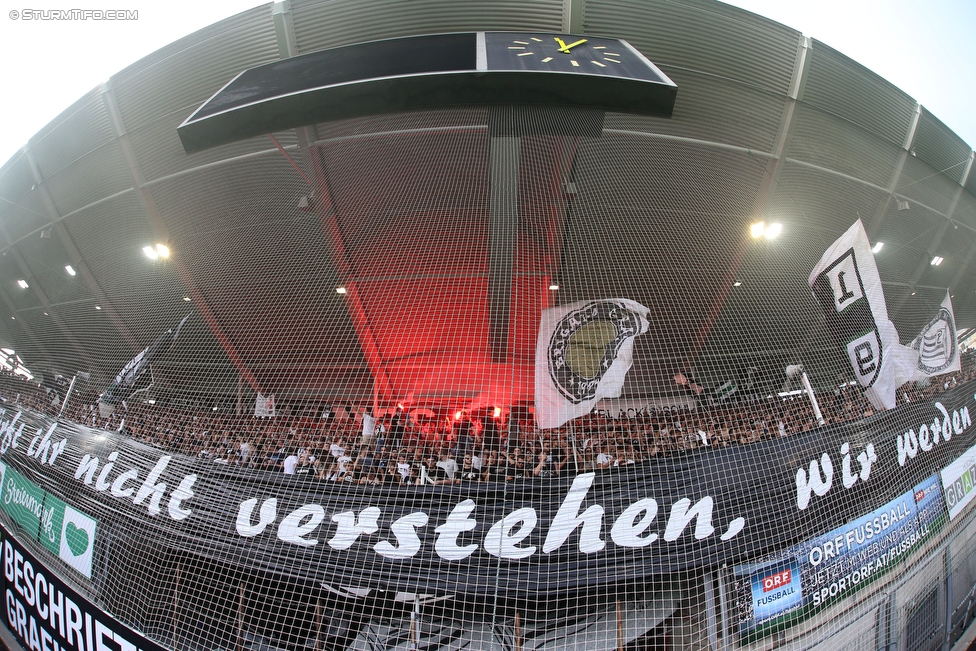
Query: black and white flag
pixel 582 355
pixel 124 383
pixel 846 284
pixel 936 345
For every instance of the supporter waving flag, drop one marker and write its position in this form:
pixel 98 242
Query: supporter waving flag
pixel 582 355
pixel 846 284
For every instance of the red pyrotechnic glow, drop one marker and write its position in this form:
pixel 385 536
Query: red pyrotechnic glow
pixel 457 415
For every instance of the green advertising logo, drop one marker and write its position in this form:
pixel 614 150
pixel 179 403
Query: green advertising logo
pixel 51 524
pixel 22 500
pixel 61 529
pixel 77 540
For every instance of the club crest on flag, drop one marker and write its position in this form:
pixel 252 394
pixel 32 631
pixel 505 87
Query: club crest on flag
pixel 582 355
pixel 585 344
pixel 936 345
pixel 839 289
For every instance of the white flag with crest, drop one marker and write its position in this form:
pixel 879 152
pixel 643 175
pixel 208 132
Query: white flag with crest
pixel 936 345
pixel 582 355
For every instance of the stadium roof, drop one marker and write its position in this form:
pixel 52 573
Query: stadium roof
pixel 442 298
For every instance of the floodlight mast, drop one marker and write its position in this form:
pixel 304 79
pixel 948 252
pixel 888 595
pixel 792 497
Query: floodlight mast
pixel 797 369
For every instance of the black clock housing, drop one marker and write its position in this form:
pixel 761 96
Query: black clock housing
pixel 441 70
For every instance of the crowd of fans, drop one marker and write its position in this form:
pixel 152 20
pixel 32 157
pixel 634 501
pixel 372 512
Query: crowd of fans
pixel 396 449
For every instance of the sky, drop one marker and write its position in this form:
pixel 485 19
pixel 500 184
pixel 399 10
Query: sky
pixel 925 47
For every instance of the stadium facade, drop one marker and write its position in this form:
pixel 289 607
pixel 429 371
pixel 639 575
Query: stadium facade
pixel 382 289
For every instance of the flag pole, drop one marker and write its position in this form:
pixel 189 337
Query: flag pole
pixel 797 369
pixel 813 399
pixel 240 388
pixel 64 403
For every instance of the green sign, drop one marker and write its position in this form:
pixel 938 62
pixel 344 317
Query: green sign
pixel 22 500
pixel 52 521
pixel 63 530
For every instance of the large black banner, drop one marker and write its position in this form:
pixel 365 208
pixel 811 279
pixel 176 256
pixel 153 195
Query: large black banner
pixel 43 612
pixel 69 487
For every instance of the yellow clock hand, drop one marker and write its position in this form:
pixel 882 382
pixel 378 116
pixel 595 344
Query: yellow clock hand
pixel 565 48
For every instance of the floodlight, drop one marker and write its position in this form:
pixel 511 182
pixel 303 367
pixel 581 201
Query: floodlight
pixel 23 283
pixel 757 229
pixel 773 231
pixel 158 251
pixel 553 287
pixel 71 270
pixel 936 261
pixel 877 247
pixel 340 290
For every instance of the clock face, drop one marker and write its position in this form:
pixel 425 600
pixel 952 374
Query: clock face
pixel 568 53
pixel 573 55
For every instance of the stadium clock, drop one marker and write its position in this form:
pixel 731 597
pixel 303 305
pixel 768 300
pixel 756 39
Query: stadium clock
pixel 571 53
pixel 561 71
